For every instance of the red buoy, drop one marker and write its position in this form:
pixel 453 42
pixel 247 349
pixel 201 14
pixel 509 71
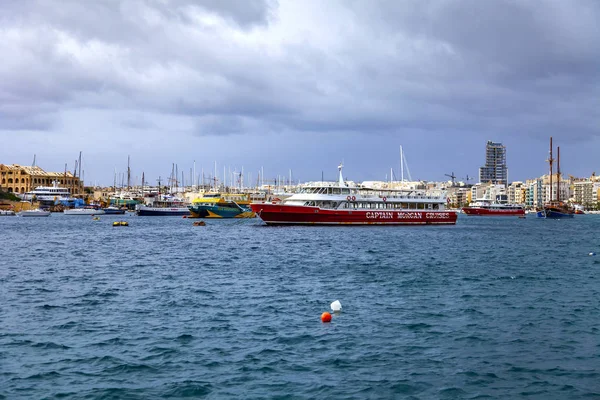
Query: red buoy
pixel 325 317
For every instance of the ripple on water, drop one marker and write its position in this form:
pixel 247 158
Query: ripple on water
pixel 477 310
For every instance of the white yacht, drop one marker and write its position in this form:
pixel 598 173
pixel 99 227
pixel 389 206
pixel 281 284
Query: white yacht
pixel 47 193
pixel 34 213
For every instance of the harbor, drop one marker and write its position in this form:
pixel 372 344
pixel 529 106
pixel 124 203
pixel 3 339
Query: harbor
pixel 341 201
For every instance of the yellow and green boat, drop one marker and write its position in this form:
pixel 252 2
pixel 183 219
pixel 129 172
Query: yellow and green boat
pixel 222 205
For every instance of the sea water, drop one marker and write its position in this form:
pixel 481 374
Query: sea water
pixel 499 308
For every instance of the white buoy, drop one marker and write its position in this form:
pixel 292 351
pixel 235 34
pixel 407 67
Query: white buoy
pixel 336 306
pixel 592 254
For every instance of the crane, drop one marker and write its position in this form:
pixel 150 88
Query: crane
pixel 453 177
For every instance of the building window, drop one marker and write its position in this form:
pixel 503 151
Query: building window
pixel 10 180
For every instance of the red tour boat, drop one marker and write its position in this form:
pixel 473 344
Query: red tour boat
pixel 337 203
pixel 487 208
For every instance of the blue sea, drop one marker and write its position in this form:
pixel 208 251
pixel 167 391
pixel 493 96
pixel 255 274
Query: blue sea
pixel 502 308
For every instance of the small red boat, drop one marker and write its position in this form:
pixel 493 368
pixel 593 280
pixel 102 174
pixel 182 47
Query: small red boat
pixel 486 208
pixel 337 203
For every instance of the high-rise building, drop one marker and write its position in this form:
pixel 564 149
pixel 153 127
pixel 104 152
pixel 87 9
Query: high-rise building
pixel 494 171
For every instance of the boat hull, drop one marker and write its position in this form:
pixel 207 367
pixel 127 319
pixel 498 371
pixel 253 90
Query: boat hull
pixel 113 211
pixel 217 211
pixel 486 212
pixel 86 212
pixel 162 212
pixel 554 214
pixel 34 213
pixel 280 214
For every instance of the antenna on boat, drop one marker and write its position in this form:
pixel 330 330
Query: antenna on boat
pixel 341 179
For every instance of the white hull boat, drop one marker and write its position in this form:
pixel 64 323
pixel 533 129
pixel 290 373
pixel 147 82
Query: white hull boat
pixel 84 211
pixel 34 213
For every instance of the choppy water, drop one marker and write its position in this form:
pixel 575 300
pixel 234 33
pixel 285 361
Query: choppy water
pixel 489 308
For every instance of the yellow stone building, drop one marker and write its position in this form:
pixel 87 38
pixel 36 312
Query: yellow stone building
pixel 21 179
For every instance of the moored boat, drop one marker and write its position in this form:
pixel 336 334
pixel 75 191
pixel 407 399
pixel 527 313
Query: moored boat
pixel 84 211
pixel 339 203
pixel 486 208
pixel 555 208
pixel 112 210
pixel 164 206
pixel 143 210
pixel 34 213
pixel 7 213
pixel 227 205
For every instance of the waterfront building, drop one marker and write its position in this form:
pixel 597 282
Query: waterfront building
pixel 586 193
pixel 516 193
pixel 459 197
pixel 21 179
pixel 494 171
pixel 534 193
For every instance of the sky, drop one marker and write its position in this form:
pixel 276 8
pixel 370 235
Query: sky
pixel 300 86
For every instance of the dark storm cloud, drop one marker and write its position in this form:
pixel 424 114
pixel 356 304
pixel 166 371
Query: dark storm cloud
pixel 236 67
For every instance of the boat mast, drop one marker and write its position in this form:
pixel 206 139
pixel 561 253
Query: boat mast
pixel 401 166
pixel 128 175
pixel 550 161
pixel 142 184
pixel 80 180
pixel 558 174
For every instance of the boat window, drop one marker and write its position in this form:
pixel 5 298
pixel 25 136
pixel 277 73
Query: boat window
pixel 345 191
pixel 336 191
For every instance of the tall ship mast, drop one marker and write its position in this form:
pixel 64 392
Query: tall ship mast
pixel 555 208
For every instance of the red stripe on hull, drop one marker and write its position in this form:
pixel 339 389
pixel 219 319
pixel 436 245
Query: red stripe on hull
pixel 494 213
pixel 280 214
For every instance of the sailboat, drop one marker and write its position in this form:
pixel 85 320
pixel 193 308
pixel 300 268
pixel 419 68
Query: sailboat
pixel 555 208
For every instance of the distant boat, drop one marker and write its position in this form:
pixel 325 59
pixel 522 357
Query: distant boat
pixel 487 208
pixel 7 213
pixel 165 206
pixel 84 211
pixel 46 194
pixel 228 209
pixel 555 208
pixel 227 205
pixel 34 213
pixel 111 210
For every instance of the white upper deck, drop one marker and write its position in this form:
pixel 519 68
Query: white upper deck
pixel 342 191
